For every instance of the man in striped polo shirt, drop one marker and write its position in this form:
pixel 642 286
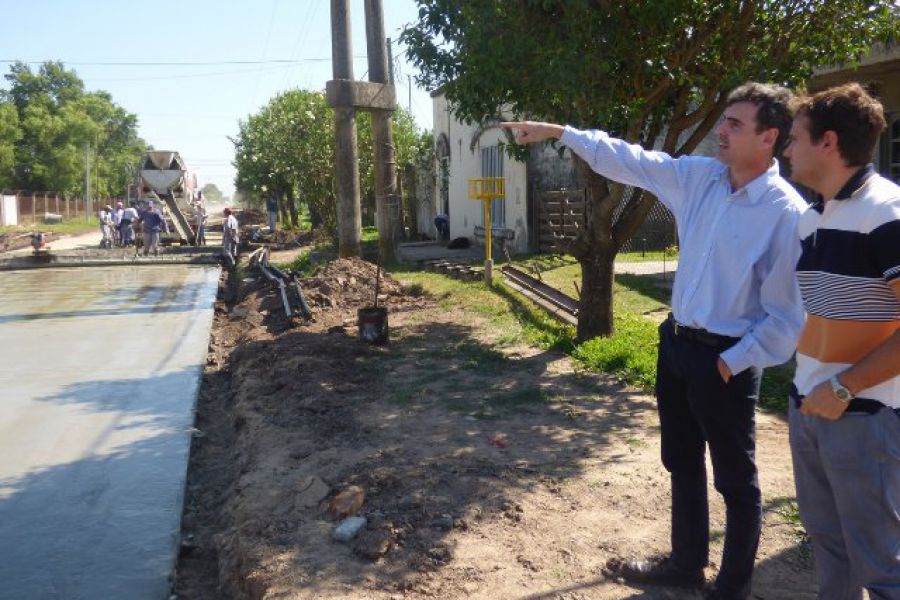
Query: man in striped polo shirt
pixel 845 413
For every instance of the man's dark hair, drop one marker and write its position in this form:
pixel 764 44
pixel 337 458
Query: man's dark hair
pixel 773 108
pixel 848 110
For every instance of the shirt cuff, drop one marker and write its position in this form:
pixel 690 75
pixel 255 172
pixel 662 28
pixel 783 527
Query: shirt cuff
pixel 737 358
pixel 568 136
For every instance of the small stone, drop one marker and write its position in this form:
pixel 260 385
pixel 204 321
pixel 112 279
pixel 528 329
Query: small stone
pixel 443 522
pixel 373 544
pixel 348 529
pixel 310 491
pixel 347 501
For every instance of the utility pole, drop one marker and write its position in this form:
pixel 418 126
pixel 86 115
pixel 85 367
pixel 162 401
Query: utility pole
pixel 346 153
pixel 386 199
pixel 409 101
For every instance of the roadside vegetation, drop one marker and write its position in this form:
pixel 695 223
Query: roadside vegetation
pixel 67 227
pixel 641 302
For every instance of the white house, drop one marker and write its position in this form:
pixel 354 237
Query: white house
pixel 464 152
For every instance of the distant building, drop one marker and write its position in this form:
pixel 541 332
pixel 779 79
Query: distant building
pixel 879 72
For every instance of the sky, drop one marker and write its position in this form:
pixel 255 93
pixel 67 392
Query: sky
pixel 193 108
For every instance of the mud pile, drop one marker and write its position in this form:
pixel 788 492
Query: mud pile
pixel 351 283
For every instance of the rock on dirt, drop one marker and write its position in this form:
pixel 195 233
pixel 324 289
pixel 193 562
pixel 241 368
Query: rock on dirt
pixel 349 528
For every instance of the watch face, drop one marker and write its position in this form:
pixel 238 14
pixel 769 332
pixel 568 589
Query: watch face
pixel 840 392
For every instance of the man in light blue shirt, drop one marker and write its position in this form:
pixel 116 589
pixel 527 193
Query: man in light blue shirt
pixel 735 310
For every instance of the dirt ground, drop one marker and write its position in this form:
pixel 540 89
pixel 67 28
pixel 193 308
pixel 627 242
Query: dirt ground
pixel 487 473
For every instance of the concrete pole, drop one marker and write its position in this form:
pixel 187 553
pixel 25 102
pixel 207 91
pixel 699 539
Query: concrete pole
pixel 346 154
pixel 386 199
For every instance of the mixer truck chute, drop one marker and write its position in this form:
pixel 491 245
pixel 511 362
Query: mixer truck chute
pixel 163 176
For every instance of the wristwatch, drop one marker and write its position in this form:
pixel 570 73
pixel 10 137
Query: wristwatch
pixel 840 390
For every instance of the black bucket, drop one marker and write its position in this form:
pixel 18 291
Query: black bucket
pixel 373 325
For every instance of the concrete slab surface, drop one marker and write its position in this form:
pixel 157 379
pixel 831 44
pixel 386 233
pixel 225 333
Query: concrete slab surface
pixel 99 371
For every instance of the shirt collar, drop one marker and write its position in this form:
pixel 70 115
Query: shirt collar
pixel 756 188
pixel 855 182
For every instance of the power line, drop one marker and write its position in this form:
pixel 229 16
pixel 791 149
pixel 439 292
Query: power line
pixel 266 47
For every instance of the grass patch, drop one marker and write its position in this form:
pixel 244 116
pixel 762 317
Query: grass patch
pixel 654 256
pixel 67 227
pixel 490 404
pixel 630 353
pixel 478 356
pixel 369 234
pixel 789 512
pixel 406 396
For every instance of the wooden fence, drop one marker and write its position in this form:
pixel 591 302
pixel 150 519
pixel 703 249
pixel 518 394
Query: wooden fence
pixel 560 217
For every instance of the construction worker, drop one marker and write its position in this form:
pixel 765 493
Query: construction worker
pixel 152 224
pixel 129 218
pixel 230 237
pixel 117 223
pixel 200 217
pixel 106 224
pixel 845 408
pixel 736 309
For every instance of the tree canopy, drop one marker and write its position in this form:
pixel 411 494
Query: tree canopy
pixel 47 123
pixel 654 72
pixel 212 193
pixel 288 147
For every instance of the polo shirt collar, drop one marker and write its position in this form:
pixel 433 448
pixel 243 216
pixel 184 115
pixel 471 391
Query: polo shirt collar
pixel 856 181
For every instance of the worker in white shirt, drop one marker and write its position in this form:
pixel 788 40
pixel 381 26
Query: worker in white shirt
pixel 230 237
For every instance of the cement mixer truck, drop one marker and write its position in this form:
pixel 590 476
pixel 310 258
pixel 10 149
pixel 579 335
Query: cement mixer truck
pixel 163 178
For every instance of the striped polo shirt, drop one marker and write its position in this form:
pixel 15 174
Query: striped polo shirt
pixel 848 272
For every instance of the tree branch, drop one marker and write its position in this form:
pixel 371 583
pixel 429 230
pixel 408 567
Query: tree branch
pixel 704 127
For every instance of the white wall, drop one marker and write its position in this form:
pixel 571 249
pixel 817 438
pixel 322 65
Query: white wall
pixel 465 164
pixel 9 214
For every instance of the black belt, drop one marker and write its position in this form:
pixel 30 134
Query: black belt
pixel 856 405
pixel 702 336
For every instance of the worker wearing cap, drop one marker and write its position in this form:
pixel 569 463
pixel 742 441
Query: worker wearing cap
pixel 117 223
pixel 129 217
pixel 106 227
pixel 230 237
pixel 151 225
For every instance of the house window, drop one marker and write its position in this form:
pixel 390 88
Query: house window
pixel 892 154
pixel 492 166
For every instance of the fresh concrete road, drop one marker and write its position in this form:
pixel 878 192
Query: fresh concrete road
pixel 99 371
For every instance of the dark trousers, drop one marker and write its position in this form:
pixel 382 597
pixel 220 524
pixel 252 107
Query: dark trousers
pixel 696 408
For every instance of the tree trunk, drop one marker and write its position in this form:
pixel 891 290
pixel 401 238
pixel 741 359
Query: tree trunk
pixel 595 318
pixel 292 207
pixel 595 250
pixel 315 217
pixel 282 208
